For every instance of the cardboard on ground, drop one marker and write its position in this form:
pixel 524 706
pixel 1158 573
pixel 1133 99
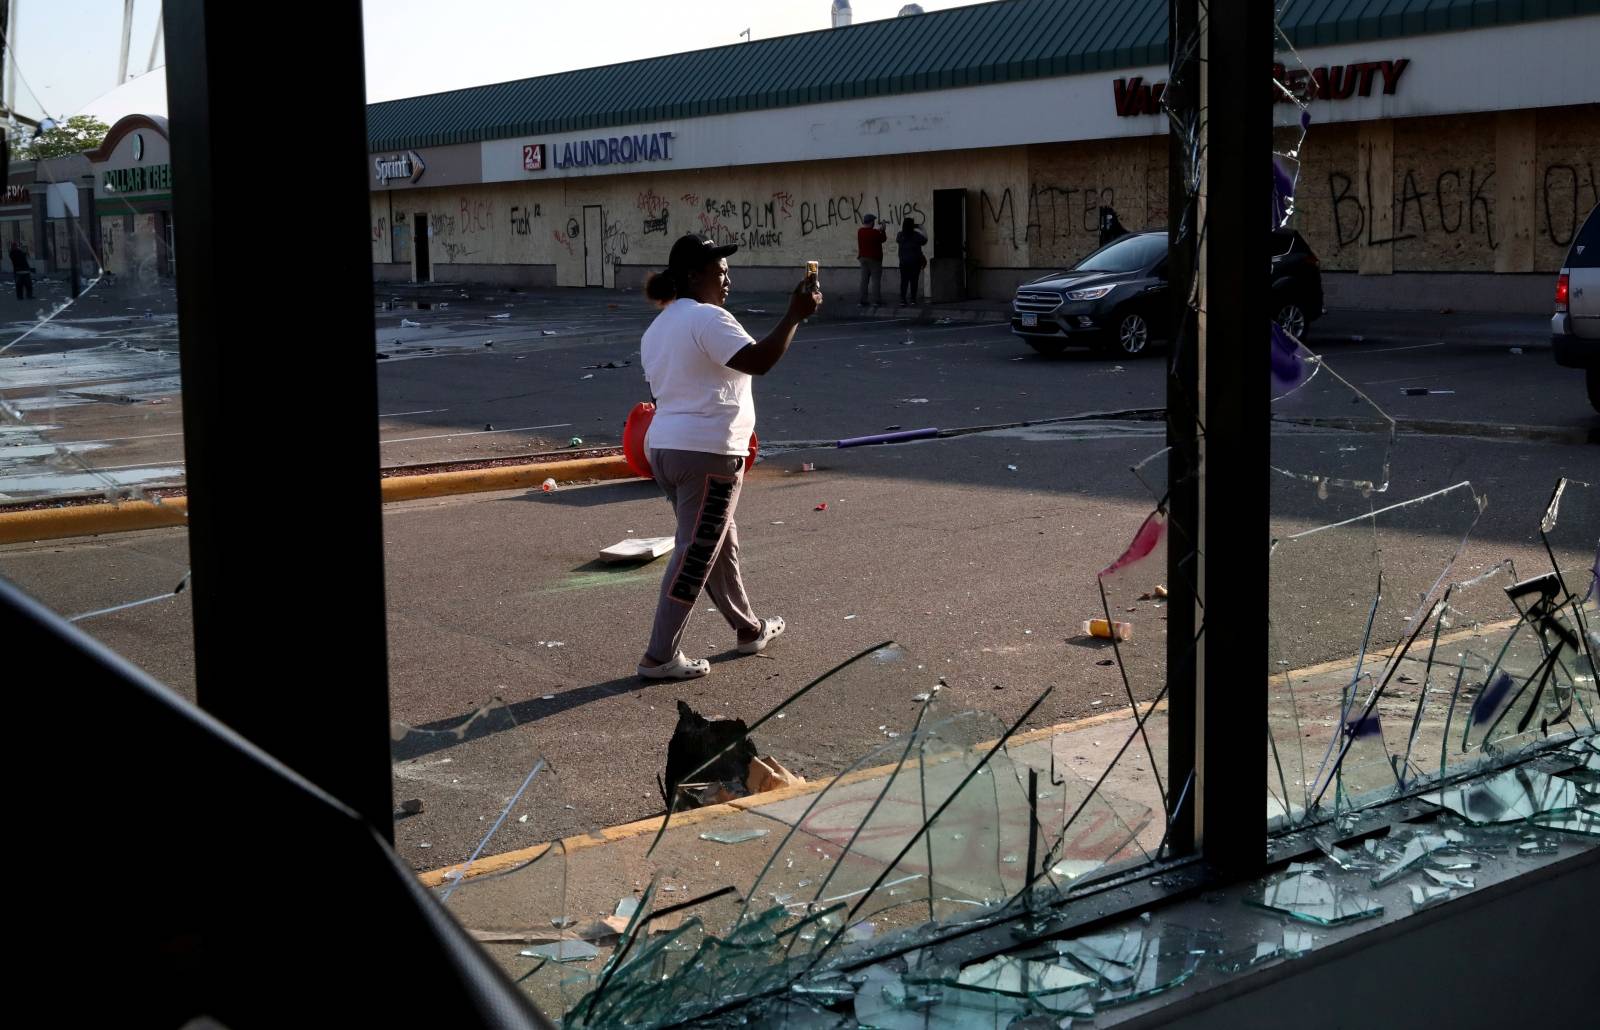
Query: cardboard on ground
pixel 644 548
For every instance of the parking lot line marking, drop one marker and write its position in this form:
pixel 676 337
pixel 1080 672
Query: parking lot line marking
pixel 419 411
pixel 477 432
pixel 1414 346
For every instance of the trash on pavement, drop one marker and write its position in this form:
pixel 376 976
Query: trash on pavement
pixel 589 376
pixel 411 806
pixel 1108 630
pixel 767 773
pixel 548 485
pixel 808 466
pixel 576 441
pixel 821 507
pixel 406 323
pixel 503 314
pixel 547 332
pixel 1516 350
pixel 647 548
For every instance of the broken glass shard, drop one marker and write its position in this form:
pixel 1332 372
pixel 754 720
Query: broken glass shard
pixel 1585 821
pixel 1243 958
pixel 562 951
pixel 1312 899
pixel 733 836
pixel 1450 879
pixel 1512 796
pixel 1412 851
pixel 1297 942
pixel 1428 896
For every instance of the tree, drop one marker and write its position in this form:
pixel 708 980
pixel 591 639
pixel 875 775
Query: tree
pixel 79 133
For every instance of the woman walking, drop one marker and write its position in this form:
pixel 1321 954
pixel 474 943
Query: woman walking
pixel 699 362
pixel 912 262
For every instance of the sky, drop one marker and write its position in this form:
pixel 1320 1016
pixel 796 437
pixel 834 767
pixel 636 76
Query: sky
pixel 66 50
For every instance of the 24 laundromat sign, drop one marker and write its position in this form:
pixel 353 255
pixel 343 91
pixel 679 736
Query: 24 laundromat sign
pixel 141 179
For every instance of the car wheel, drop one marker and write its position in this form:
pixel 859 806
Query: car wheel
pixel 1133 334
pixel 1593 376
pixel 1291 318
pixel 1047 346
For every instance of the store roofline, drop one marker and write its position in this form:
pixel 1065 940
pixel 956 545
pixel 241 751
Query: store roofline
pixel 1023 41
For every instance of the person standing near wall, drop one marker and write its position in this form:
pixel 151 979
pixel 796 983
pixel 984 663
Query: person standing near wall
pixel 870 239
pixel 699 362
pixel 23 270
pixel 912 261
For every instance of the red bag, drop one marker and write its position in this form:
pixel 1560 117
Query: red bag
pixel 633 433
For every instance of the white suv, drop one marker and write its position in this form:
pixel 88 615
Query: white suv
pixel 1575 329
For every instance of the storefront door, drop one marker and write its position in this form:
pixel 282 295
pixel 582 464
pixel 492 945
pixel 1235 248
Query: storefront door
pixel 594 265
pixel 424 269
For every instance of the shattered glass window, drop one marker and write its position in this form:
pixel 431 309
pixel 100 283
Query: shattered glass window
pixel 1428 618
pixel 91 419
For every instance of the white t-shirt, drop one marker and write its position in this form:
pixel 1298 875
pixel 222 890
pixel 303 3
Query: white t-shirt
pixel 701 403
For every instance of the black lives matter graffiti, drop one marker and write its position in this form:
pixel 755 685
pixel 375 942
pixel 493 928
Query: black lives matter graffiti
pixel 1052 212
pixel 1457 200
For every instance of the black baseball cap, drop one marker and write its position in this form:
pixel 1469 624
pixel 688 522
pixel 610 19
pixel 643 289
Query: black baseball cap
pixel 692 253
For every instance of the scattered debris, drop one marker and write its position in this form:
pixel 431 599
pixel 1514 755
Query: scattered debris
pixel 1106 662
pixel 808 466
pixel 821 507
pixel 943 321
pixel 503 314
pixel 611 364
pixel 547 332
pixel 589 376
pixel 1516 350
pixel 639 549
pixel 1108 630
pixel 548 485
pixel 913 400
pixel 716 752
pixel 488 427
pixel 1423 391
pixel 847 618
pixel 576 441
pixel 406 323
pixel 411 806
pixel 1013 468
pixel 488 343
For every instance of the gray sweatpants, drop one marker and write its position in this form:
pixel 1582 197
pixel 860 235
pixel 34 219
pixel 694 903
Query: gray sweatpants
pixel 704 490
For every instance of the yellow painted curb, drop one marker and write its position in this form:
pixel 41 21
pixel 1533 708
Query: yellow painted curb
pixel 491 864
pixel 506 477
pixel 90 519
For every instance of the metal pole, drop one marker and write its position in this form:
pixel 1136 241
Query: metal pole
pixel 1235 314
pixel 1183 495
pixel 290 644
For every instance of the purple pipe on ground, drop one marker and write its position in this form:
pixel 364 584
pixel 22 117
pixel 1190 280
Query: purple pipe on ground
pixel 905 434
